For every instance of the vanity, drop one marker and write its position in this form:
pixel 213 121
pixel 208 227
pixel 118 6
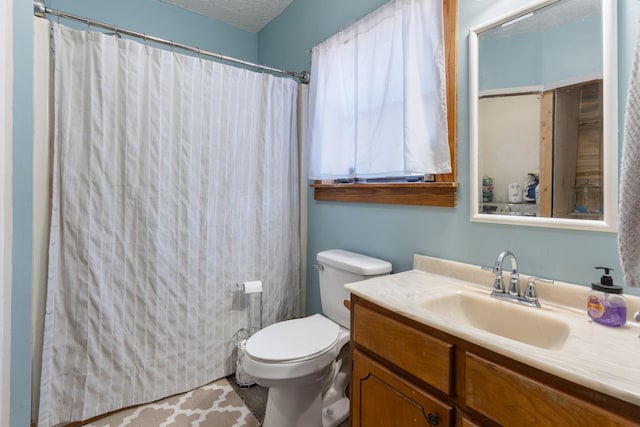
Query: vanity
pixel 431 347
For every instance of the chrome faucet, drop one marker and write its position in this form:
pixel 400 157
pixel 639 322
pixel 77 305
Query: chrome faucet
pixel 512 293
pixel 514 282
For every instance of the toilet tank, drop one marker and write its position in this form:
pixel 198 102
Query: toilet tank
pixel 336 268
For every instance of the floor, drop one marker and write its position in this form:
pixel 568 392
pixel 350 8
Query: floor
pixel 167 413
pixel 214 404
pixel 255 397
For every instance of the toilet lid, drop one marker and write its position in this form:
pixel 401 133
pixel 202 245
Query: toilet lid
pixel 293 339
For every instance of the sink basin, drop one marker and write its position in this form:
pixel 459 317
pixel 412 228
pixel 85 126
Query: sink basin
pixel 525 324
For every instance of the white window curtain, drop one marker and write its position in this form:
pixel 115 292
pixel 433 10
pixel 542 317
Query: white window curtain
pixel 174 179
pixel 378 96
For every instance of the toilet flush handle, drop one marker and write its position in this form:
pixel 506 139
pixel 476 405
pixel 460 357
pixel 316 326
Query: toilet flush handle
pixel 319 266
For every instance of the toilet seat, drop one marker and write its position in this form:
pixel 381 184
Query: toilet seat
pixel 305 363
pixel 267 361
pixel 293 340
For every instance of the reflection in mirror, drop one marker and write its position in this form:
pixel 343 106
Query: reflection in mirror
pixel 543 116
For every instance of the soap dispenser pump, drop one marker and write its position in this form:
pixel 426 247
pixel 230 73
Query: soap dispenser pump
pixel 606 304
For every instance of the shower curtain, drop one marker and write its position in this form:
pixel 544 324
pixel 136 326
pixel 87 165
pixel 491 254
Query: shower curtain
pixel 174 178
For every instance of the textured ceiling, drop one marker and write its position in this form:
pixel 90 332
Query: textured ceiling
pixel 553 15
pixel 249 15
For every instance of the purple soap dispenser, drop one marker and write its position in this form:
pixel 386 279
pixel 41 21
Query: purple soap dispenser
pixel 605 304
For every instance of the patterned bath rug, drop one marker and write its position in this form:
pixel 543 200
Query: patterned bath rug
pixel 213 405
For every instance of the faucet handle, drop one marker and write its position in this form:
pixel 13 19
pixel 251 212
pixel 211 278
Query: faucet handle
pixel 498 285
pixel 492 269
pixel 539 279
pixel 530 292
pixel 514 284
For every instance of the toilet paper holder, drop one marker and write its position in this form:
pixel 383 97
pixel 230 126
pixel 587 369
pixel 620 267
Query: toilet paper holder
pixel 251 287
pixel 248 288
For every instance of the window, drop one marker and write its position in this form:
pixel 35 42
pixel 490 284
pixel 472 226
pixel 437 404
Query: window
pixel 358 128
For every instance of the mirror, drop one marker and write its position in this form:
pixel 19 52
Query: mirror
pixel 543 116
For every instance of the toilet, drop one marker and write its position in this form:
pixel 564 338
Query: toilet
pixel 305 362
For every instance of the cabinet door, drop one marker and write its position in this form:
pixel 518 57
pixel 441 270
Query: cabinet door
pixel 381 398
pixel 414 351
pixel 512 399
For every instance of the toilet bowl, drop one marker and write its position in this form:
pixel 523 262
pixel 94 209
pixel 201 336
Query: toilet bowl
pixel 305 362
pixel 299 370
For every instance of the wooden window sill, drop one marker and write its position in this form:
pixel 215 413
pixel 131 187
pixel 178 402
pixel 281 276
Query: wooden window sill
pixel 442 194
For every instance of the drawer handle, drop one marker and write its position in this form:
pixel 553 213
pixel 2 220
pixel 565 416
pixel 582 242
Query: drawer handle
pixel 434 419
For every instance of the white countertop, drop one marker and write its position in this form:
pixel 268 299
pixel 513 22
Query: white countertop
pixel 606 359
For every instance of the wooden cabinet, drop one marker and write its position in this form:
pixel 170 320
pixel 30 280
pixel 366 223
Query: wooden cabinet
pixel 525 399
pixel 408 374
pixel 467 423
pixel 418 353
pixel 385 399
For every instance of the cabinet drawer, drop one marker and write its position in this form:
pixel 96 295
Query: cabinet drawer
pixel 381 398
pixel 510 398
pixel 418 353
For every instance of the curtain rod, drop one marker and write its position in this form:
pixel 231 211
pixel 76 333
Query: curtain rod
pixel 40 10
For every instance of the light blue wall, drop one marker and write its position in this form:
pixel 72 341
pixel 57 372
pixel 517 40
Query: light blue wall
pixel 20 412
pixel 288 39
pixel 579 50
pixel 395 233
pixel 391 232
pixel 166 21
pixel 529 59
pixel 150 16
pixel 510 62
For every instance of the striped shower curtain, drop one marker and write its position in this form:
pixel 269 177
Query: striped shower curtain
pixel 174 179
